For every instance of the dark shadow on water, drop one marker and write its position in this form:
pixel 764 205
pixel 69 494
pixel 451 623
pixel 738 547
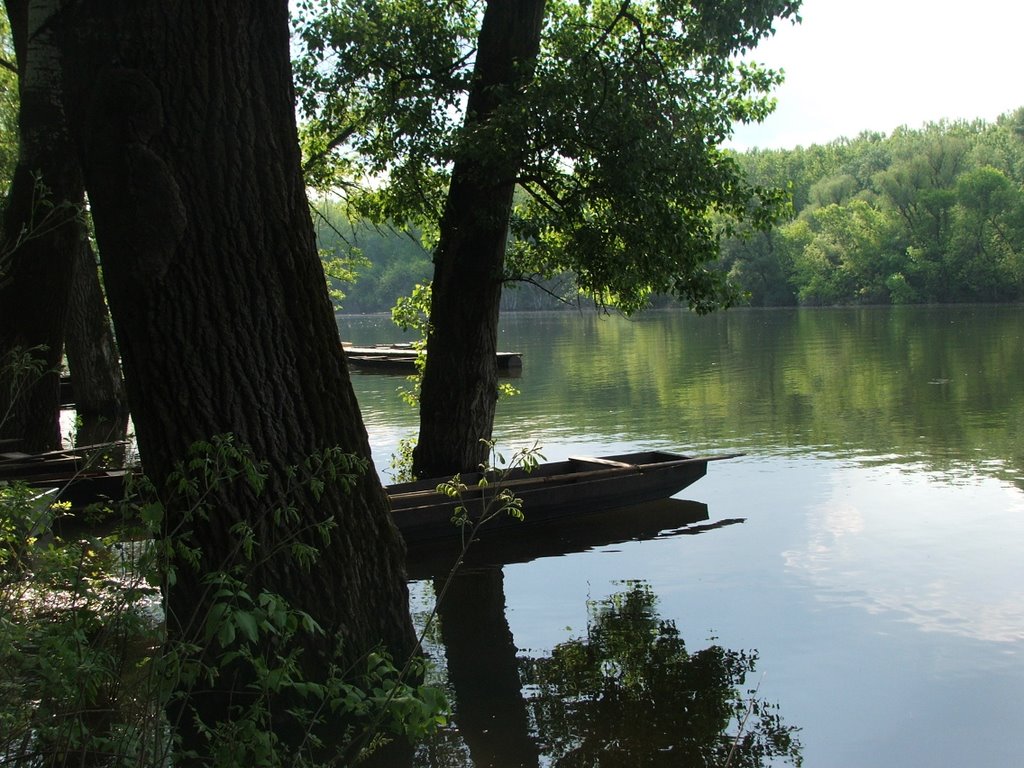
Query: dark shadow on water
pixel 483 671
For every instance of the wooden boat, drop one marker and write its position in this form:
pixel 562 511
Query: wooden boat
pixel 401 358
pixel 551 491
pixel 56 465
pixel 86 487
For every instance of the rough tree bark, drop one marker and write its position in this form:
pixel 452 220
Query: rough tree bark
pixel 459 388
pixel 91 350
pixel 187 131
pixel 41 230
pixel 94 363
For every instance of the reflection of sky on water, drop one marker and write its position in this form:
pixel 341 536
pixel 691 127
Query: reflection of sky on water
pixel 887 606
pixel 945 558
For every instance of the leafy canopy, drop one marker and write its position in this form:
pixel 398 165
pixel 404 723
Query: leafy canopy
pixel 8 105
pixel 621 184
pixel 934 214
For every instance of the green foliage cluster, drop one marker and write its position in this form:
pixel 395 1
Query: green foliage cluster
pixel 8 106
pixel 614 144
pixel 377 269
pixel 20 368
pixel 368 267
pixel 472 513
pixel 928 215
pixel 632 101
pixel 90 675
pixel 75 641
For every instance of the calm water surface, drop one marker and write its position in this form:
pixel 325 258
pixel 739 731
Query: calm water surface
pixel 868 546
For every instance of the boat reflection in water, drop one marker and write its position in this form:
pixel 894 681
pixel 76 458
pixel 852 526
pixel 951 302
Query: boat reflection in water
pixel 627 692
pixel 430 559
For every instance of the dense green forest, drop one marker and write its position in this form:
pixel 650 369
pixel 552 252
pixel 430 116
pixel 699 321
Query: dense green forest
pixel 934 214
pixel 928 215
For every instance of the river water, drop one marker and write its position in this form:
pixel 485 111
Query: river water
pixel 868 547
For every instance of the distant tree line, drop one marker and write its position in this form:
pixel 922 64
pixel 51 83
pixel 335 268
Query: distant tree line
pixel 920 216
pixel 929 215
pixel 369 267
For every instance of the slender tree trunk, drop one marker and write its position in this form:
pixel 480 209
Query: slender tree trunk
pixel 459 389
pixel 41 230
pixel 220 304
pixel 91 350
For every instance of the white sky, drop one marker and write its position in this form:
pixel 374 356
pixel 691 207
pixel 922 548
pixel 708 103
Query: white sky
pixel 855 65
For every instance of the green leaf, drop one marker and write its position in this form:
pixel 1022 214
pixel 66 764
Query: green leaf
pixel 246 623
pixel 225 633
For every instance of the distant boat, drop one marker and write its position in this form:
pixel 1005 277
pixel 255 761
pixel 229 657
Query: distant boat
pixel 86 487
pixel 401 358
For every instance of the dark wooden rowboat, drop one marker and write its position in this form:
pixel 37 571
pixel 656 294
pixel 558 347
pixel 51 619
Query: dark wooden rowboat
pixel 87 487
pixel 551 491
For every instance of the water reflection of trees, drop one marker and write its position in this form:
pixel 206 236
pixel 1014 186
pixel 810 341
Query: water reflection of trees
pixel 626 693
pixel 935 385
pixel 629 693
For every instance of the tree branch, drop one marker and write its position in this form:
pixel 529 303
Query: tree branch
pixel 535 282
pixel 330 225
pixel 548 200
pixel 333 144
pixel 5 64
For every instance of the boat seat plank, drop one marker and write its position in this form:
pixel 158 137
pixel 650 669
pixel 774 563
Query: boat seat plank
pixel 606 462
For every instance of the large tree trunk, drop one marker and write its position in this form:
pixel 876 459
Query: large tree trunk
pixel 92 353
pixel 459 388
pixel 219 300
pixel 41 230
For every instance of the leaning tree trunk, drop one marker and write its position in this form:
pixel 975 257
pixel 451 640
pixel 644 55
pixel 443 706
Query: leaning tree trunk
pixel 41 229
pixel 459 389
pixel 220 304
pixel 92 353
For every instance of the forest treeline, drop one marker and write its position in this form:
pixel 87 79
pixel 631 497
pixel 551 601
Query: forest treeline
pixel 926 215
pixel 919 216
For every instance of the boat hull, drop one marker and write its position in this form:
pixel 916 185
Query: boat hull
pixel 551 492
